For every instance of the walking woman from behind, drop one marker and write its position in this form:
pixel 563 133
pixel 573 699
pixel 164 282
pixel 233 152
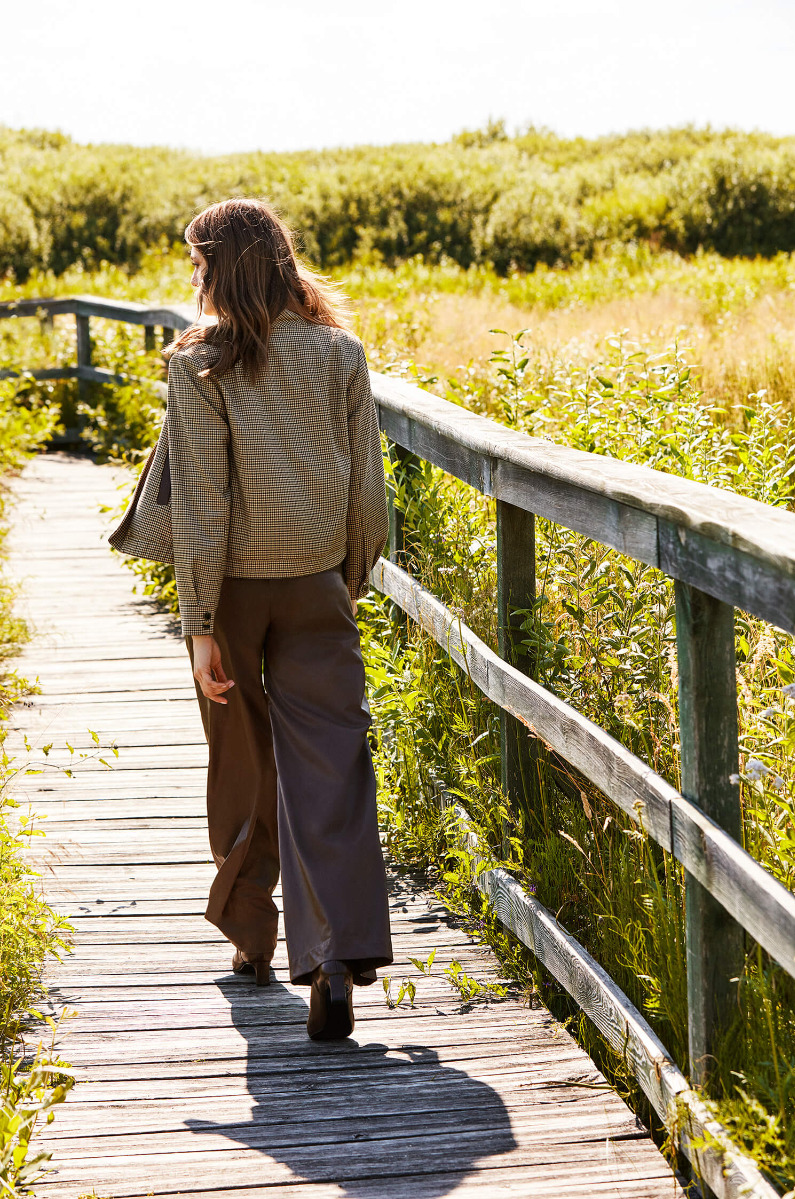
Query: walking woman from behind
pixel 268 480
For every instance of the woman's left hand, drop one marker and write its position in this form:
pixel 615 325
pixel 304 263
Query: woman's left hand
pixel 207 668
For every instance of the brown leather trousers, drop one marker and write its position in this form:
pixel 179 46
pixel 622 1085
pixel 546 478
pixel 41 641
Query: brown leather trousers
pixel 290 782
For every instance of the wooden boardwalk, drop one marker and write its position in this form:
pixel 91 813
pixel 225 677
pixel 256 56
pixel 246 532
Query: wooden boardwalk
pixel 191 1080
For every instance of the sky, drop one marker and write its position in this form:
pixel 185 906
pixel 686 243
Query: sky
pixel 222 76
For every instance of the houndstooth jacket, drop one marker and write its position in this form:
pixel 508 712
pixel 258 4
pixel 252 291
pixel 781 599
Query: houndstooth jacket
pixel 277 479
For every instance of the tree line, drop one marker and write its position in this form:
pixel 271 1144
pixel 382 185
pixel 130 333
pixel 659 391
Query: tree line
pixel 483 197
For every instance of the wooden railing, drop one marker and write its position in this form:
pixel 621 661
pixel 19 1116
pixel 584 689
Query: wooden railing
pixel 722 551
pixel 169 319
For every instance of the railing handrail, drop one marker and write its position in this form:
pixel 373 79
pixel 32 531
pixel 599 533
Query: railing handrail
pixel 170 316
pixel 688 530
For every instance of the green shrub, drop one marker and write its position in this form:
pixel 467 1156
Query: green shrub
pixel 481 198
pixel 736 201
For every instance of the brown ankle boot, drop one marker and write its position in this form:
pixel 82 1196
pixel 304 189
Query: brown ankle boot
pixel 258 965
pixel 331 1002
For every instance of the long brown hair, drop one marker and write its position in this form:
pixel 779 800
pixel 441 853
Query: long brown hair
pixel 252 276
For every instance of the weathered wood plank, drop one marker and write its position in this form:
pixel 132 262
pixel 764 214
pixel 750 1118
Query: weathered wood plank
pixel 383 1163
pixel 516 588
pixel 56 372
pixel 174 757
pixel 178 316
pixel 300 1103
pixel 126 1015
pixel 83 342
pixel 267 1133
pixel 534 1072
pixel 516 1181
pixel 64 817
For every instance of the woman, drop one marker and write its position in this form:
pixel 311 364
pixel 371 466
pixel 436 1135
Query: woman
pixel 269 474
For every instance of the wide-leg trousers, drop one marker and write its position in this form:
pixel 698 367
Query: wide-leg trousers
pixel 290 781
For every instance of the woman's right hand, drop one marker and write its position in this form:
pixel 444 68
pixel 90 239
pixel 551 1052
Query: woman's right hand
pixel 208 670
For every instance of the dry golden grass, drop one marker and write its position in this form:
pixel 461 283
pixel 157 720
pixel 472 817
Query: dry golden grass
pixel 735 353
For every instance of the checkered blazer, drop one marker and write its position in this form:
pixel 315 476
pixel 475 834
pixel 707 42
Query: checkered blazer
pixel 281 478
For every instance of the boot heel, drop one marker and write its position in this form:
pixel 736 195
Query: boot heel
pixel 258 966
pixel 262 971
pixel 331 1003
pixel 338 992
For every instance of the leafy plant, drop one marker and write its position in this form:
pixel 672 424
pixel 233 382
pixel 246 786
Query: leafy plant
pixel 407 989
pixel 483 198
pixel 471 989
pixel 29 1090
pixel 426 966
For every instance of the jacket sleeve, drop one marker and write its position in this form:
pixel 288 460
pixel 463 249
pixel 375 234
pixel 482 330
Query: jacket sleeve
pixel 198 450
pixel 368 519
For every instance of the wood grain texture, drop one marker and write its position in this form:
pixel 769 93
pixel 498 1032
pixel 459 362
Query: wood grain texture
pixel 191 1078
pixel 745 889
pixel 738 549
pixel 729 1173
pixel 176 316
pixel 516 588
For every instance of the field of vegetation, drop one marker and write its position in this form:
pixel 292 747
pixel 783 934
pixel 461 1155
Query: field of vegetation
pixel 632 297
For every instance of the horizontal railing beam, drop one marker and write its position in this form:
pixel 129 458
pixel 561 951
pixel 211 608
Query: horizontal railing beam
pixel 735 549
pixel 170 316
pixel 718 1161
pixel 746 890
pixel 50 372
pixel 89 374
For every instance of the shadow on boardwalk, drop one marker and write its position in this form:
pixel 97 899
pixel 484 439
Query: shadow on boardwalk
pixel 343 1113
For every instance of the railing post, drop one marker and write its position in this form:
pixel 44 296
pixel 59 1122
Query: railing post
pixel 83 340
pixel 708 734
pixel 83 329
pixel 149 338
pixel 396 546
pixel 168 336
pixel 404 464
pixel 516 588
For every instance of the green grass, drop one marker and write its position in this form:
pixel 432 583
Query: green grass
pixel 721 284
